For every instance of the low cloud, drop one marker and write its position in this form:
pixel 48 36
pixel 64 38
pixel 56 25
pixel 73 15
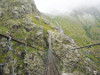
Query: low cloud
pixel 61 6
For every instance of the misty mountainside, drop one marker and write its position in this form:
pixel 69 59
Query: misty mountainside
pixel 21 20
pixel 82 21
pixel 83 25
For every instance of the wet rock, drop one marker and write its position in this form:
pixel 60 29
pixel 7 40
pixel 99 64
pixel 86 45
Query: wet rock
pixel 21 21
pixel 37 17
pixel 46 22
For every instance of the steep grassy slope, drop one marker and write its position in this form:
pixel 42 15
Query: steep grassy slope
pixel 77 27
pixel 21 20
pixel 84 29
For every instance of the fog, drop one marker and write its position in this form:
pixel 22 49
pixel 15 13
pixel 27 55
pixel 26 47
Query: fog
pixel 61 6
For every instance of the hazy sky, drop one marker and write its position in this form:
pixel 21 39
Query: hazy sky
pixel 59 6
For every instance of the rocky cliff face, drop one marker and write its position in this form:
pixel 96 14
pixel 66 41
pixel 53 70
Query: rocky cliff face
pixel 21 20
pixel 17 8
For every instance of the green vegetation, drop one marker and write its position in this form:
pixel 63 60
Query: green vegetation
pixel 83 30
pixel 24 26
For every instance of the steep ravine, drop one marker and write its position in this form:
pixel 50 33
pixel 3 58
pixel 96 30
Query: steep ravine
pixel 20 19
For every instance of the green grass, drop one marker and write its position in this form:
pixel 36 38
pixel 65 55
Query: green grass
pixel 83 32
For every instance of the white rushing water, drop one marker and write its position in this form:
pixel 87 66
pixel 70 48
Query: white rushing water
pixel 61 30
pixel 60 27
pixel 50 47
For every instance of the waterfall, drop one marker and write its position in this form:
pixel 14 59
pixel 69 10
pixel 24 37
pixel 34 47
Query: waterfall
pixel 50 47
pixel 70 39
pixel 51 68
pixel 61 30
pixel 60 27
